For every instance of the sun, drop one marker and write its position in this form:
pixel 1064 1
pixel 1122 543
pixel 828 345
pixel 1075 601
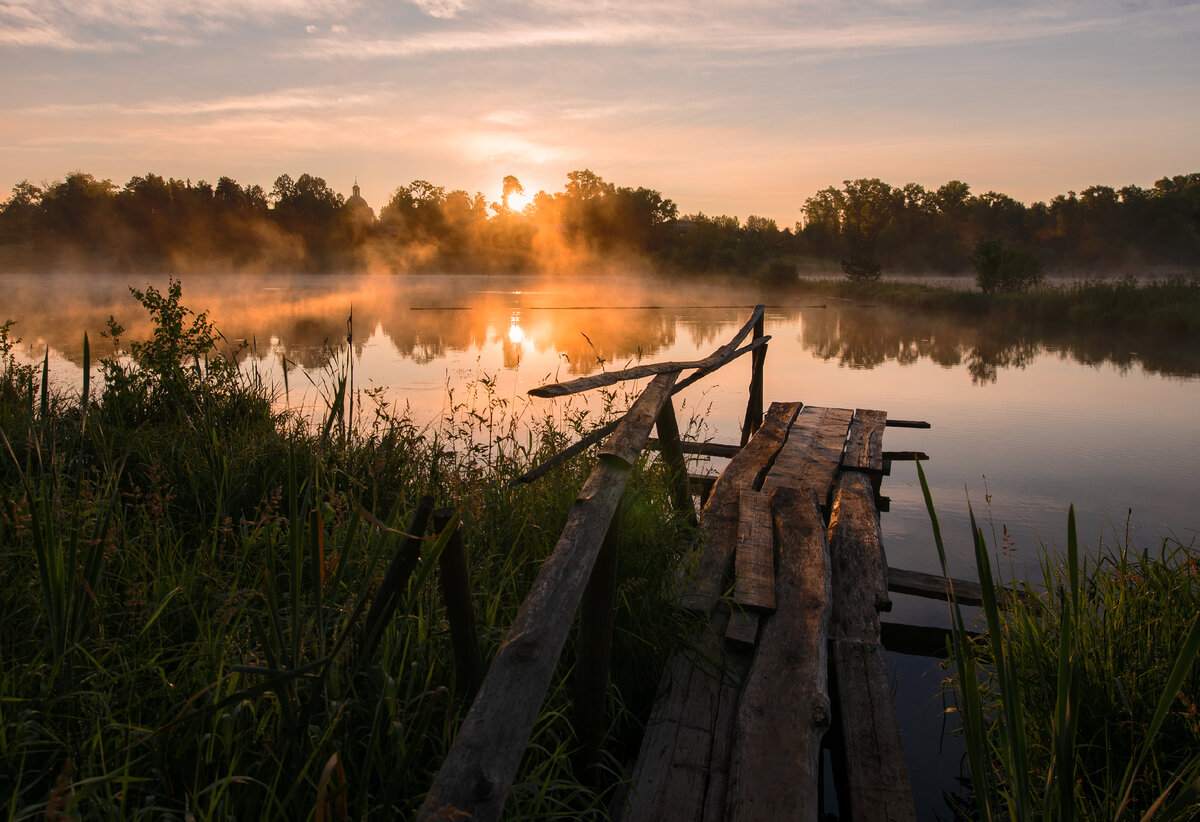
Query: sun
pixel 517 202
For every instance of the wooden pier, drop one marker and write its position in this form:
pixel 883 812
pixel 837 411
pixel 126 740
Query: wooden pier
pixel 794 655
pixel 786 660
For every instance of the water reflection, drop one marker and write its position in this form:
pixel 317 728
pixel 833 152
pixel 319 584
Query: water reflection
pixel 581 324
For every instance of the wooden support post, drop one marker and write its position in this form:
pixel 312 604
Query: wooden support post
pixel 754 407
pixel 595 652
pixel 395 580
pixel 668 436
pixel 460 613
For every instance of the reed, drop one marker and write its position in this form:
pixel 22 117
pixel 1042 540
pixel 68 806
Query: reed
pixel 1079 700
pixel 185 574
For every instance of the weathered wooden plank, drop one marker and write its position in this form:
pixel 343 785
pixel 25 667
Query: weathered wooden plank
pixel 908 424
pixel 812 453
pixel 933 586
pixel 754 556
pixel 707 569
pixel 784 709
pixel 858 565
pixel 870 753
pixel 672 769
pixel 873 757
pixel 718 357
pixel 864 443
pixel 477 773
pixel 716 797
pixel 742 628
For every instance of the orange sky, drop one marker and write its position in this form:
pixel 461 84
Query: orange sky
pixel 744 109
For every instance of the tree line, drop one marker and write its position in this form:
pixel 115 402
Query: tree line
pixel 161 223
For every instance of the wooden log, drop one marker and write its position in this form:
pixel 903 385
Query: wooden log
pixel 754 556
pixel 708 569
pixel 594 655
pixel 784 710
pixel 754 405
pixel 600 433
pixel 668 432
pixel 859 566
pixel 718 357
pixel 871 754
pixel 477 773
pixel 460 613
pixel 812 453
pixel 904 456
pixel 864 443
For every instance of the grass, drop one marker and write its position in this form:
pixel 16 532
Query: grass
pixel 1079 700
pixel 185 573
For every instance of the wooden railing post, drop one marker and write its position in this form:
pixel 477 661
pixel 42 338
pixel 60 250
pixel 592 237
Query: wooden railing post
pixel 672 451
pixel 595 653
pixel 460 613
pixel 754 407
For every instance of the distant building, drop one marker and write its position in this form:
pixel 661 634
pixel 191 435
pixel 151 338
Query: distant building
pixel 358 210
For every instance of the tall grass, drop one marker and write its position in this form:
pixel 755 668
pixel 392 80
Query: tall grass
pixel 184 576
pixel 1079 702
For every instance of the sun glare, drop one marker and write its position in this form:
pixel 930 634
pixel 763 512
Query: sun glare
pixel 517 202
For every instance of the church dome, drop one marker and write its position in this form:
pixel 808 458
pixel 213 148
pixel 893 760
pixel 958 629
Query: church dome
pixel 357 207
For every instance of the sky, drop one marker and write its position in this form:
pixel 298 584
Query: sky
pixel 734 108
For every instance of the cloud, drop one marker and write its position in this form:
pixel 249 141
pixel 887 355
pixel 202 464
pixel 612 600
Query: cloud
pixel 442 9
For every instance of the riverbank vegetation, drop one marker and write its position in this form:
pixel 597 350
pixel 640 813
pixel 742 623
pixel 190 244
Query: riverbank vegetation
pixel 1079 700
pixel 153 223
pixel 186 571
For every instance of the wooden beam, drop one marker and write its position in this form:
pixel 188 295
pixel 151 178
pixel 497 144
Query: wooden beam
pixel 718 357
pixel 754 405
pixel 477 774
pixel 784 710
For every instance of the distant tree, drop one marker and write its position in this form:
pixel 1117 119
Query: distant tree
pixel 1001 268
pixel 510 187
pixel 415 212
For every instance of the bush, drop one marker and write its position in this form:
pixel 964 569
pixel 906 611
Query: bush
pixel 862 269
pixel 1002 268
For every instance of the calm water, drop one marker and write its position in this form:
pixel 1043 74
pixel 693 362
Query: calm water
pixel 1033 425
